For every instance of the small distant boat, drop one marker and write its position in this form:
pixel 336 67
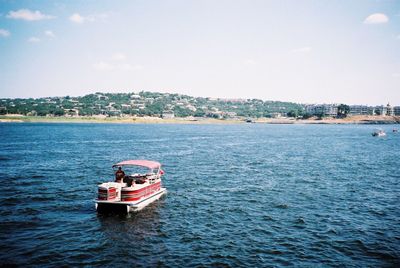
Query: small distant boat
pixel 131 192
pixel 378 133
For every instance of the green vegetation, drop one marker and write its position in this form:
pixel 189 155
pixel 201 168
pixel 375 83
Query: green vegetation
pixel 343 110
pixel 149 104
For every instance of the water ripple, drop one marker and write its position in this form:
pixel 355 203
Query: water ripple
pixel 239 196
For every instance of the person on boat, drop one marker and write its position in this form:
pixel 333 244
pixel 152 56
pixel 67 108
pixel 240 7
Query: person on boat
pixel 119 175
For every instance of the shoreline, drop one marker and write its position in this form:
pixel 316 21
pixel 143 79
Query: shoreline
pixel 369 120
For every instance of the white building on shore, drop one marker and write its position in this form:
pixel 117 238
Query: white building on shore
pixel 332 109
pixel 168 115
pixel 396 110
pixel 361 110
pixel 384 110
pixel 322 109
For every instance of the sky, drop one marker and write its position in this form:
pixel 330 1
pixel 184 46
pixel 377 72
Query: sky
pixel 322 51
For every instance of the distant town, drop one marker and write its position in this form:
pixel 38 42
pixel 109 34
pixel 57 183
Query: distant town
pixel 167 106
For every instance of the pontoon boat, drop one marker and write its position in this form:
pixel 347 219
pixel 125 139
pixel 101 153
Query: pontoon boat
pixel 134 191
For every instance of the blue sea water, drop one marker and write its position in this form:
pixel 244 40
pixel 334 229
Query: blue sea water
pixel 249 195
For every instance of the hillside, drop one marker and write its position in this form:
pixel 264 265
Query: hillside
pixel 148 104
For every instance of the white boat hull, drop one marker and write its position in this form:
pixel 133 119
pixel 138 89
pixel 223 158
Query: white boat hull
pixel 130 206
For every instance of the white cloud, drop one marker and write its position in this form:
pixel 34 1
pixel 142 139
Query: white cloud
pixel 106 66
pixel 249 62
pixel 125 66
pixel 76 18
pixel 129 67
pixel 34 39
pixel 4 33
pixel 396 75
pixel 49 34
pixel 97 17
pixel 138 67
pixel 117 62
pixel 376 18
pixel 301 50
pixel 103 66
pixel 26 14
pixel 118 56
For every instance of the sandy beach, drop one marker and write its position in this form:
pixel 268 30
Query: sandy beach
pixel 157 120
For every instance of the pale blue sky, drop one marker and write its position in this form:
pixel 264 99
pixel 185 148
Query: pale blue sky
pixel 301 51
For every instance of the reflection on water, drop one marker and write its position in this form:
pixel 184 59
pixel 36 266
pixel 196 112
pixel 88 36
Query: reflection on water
pixel 137 225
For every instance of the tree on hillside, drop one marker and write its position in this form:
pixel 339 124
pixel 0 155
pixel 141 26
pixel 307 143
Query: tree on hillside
pixel 182 112
pixel 293 113
pixel 200 113
pixel 343 110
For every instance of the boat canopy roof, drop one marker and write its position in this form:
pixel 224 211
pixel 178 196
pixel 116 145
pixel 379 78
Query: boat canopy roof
pixel 141 163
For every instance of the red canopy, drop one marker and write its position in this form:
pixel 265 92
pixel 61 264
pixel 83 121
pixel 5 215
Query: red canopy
pixel 142 163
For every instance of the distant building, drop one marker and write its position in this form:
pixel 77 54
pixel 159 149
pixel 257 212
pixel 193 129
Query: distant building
pixel 114 112
pixel 125 106
pixel 322 109
pixel 215 114
pixel 396 110
pixel 134 96
pixel 139 106
pixel 191 107
pixel 168 115
pixel 169 107
pixel 230 114
pixel 275 115
pixel 136 101
pixel 71 112
pixel 361 110
pixel 102 97
pixel 380 110
pixel 389 110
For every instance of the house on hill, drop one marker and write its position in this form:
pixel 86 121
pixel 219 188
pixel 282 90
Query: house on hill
pixel 168 115
pixel 134 97
pixel 71 112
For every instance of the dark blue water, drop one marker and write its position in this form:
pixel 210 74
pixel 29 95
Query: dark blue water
pixel 239 195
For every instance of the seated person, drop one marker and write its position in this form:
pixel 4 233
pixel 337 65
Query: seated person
pixel 119 175
pixel 141 180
